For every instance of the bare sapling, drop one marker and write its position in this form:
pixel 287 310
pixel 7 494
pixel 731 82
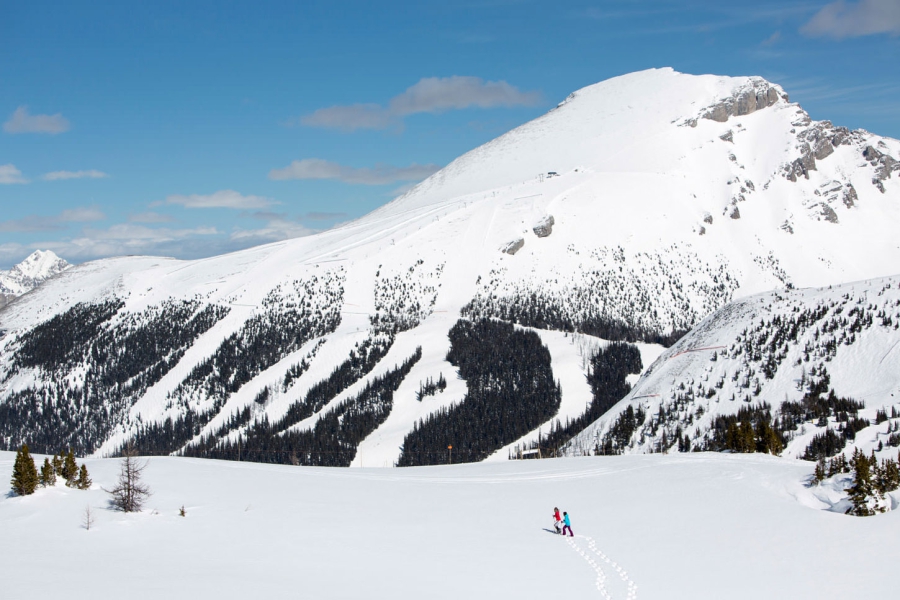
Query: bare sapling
pixel 87 520
pixel 130 493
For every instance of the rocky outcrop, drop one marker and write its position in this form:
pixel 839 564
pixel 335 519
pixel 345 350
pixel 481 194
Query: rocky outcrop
pixel 513 246
pixel 822 212
pixel 850 198
pixel 544 227
pixel 801 167
pixel 884 165
pixel 757 95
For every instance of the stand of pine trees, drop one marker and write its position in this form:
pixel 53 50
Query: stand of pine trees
pixel 121 354
pixel 511 391
pixel 26 478
pixel 360 363
pixel 871 482
pixel 332 441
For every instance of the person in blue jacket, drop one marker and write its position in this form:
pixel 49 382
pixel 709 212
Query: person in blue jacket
pixel 567 524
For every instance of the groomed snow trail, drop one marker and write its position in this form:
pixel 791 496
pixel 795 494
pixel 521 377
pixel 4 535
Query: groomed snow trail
pixel 598 569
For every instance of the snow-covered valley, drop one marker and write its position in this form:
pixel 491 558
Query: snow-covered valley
pixel 686 526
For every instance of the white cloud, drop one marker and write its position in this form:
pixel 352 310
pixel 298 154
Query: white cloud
pixel 125 239
pixel 841 19
pixel 90 174
pixel 21 121
pixel 772 39
pixel 81 215
pixel 439 94
pixel 429 95
pixel 10 174
pixel 151 217
pixel 275 230
pixel 317 168
pixel 323 216
pixel 32 223
pixel 221 199
pixel 349 118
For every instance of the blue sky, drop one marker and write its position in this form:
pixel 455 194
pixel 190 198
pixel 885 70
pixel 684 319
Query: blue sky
pixel 194 128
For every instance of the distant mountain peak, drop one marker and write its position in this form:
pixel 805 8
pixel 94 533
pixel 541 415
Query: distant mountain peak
pixel 38 267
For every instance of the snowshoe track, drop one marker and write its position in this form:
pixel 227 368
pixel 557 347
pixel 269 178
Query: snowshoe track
pixel 595 563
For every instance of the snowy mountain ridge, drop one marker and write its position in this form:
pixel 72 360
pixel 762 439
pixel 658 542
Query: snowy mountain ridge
pixel 631 211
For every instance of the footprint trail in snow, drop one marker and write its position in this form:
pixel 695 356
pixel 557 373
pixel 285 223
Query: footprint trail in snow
pixel 596 562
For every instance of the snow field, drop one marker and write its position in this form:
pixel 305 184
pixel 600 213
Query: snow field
pixel 689 526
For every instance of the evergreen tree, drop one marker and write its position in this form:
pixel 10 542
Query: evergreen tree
pixel 819 473
pixel 888 478
pixel 83 482
pixel 861 490
pixel 57 463
pixel 25 476
pixel 48 475
pixel 767 439
pixel 69 468
pixel 747 438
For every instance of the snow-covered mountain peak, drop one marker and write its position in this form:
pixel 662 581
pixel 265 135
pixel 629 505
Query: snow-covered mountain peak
pixel 623 124
pixel 28 274
pixel 632 211
pixel 41 264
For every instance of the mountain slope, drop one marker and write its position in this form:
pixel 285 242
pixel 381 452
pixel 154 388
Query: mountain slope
pixel 631 211
pixel 781 349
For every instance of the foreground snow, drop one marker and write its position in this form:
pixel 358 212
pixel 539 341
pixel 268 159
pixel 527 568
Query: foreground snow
pixel 688 526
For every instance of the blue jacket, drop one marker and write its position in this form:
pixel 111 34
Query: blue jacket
pixel 566 520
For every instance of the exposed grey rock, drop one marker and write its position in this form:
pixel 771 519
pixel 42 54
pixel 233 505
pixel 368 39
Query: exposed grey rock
pixel 702 230
pixel 513 246
pixel 823 149
pixel 786 226
pixel 719 113
pixel 841 136
pixel 735 213
pixel 850 198
pixel 728 136
pixel 884 164
pixel 544 226
pixel 823 212
pixel 802 166
pixel 708 218
pixel 760 94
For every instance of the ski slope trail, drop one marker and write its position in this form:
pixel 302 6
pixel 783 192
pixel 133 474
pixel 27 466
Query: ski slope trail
pixel 595 563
